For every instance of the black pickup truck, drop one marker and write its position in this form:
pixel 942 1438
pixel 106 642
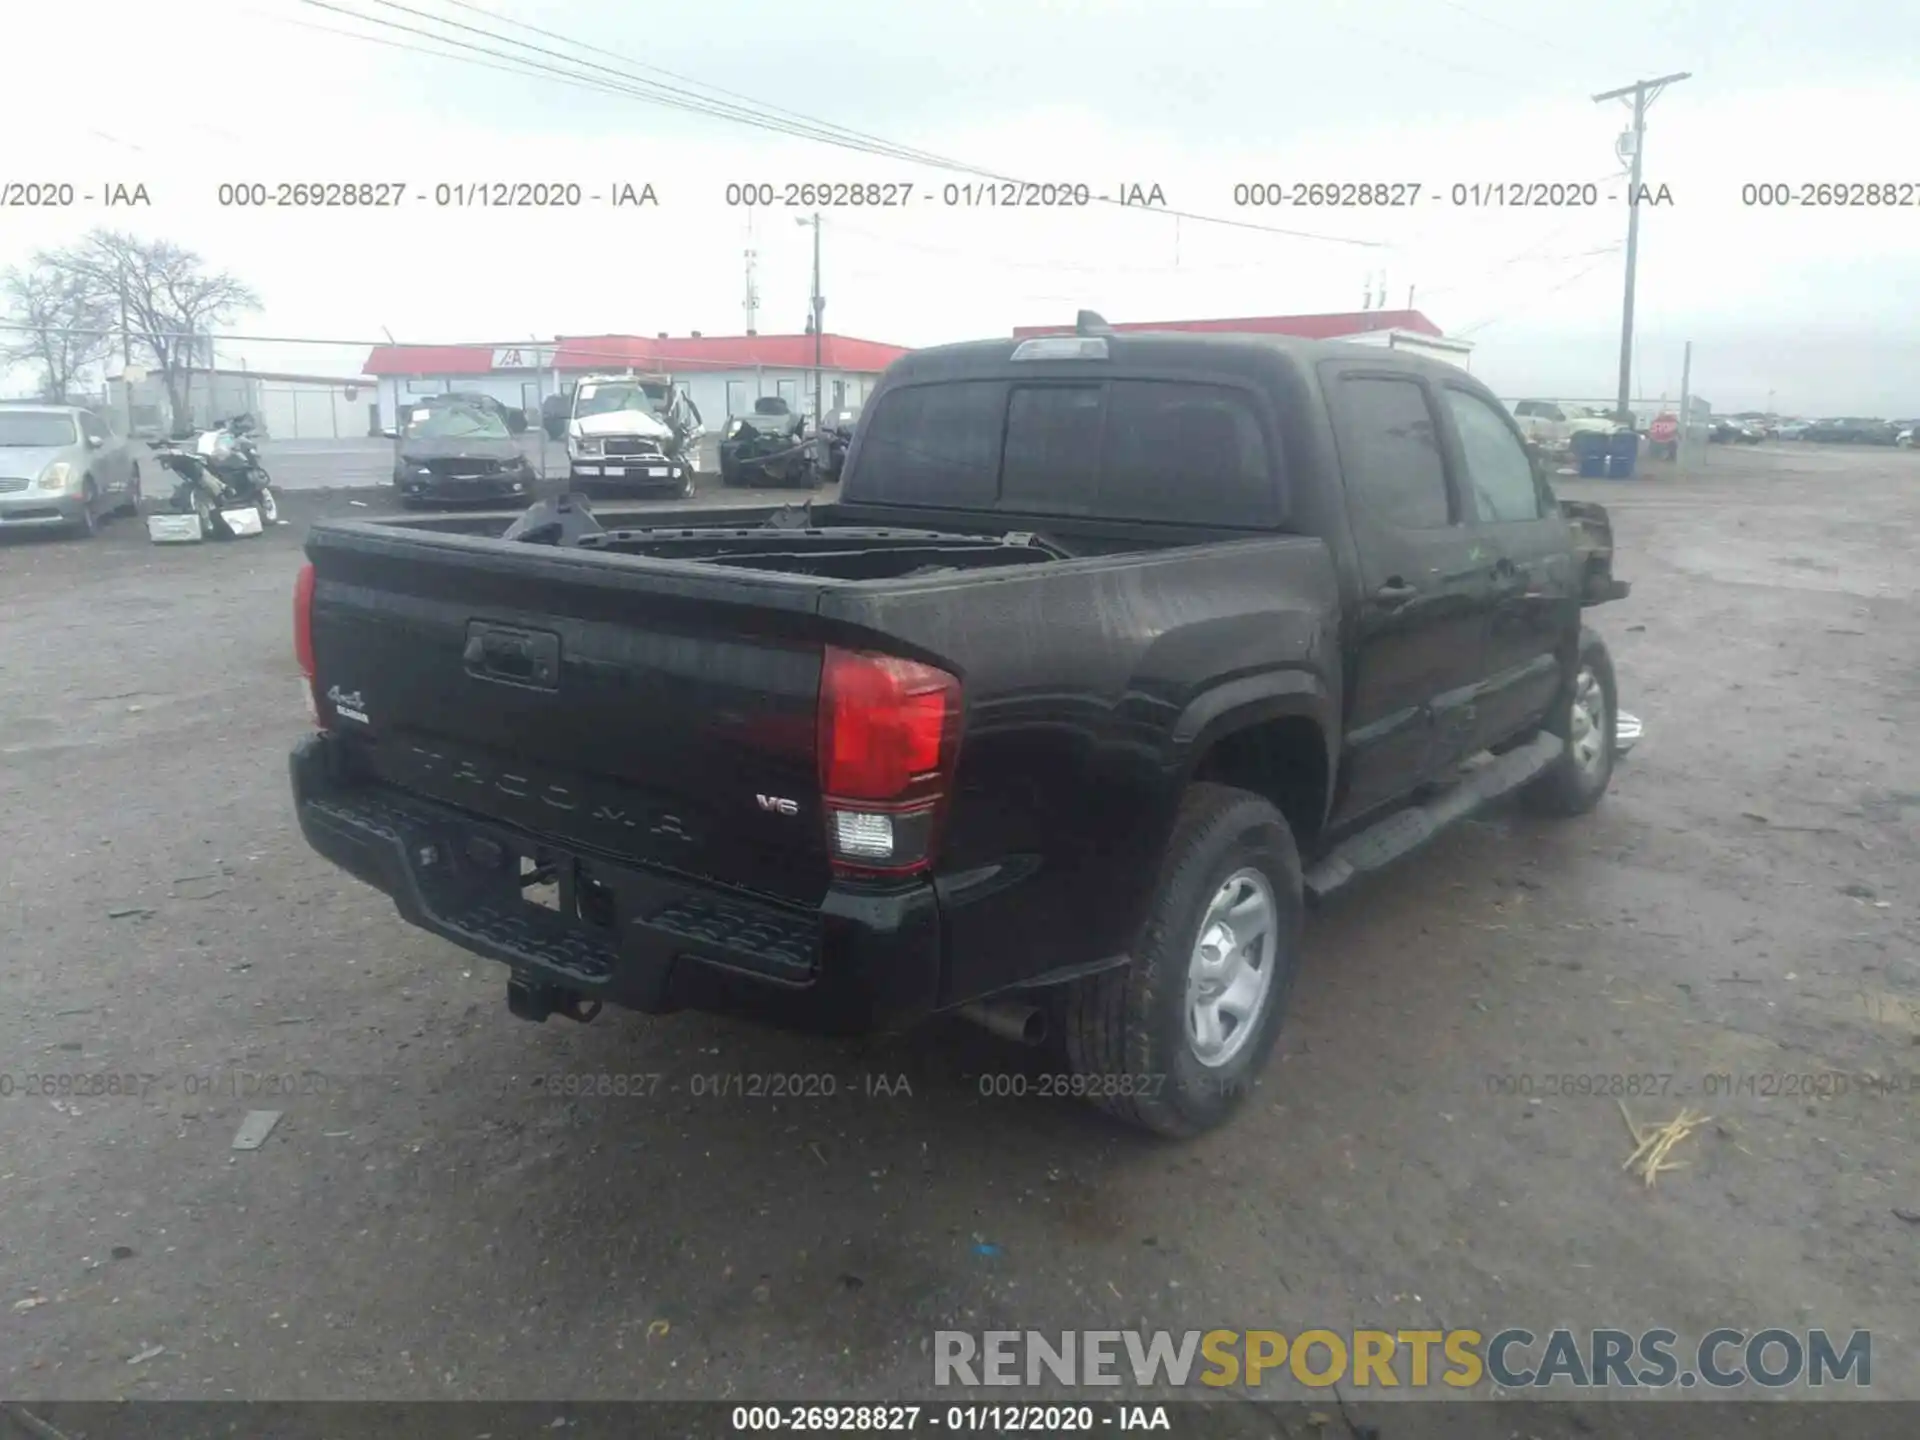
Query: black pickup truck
pixel 1113 651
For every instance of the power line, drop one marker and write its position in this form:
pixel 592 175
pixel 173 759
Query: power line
pixel 1510 29
pixel 753 114
pixel 1412 53
pixel 576 347
pixel 1541 295
pixel 1573 219
pixel 422 50
pixel 659 70
pixel 1048 266
pixel 820 131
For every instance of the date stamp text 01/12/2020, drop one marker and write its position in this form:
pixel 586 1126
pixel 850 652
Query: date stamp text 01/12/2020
pixel 1465 195
pixel 1711 1084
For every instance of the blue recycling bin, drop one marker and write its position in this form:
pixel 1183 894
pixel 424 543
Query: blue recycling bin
pixel 1590 454
pixel 1623 452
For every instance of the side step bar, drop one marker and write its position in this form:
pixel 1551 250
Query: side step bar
pixel 1405 830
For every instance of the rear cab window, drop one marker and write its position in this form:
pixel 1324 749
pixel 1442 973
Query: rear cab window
pixel 1173 451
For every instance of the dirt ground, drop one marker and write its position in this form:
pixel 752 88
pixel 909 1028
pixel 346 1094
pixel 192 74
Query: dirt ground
pixel 437 1216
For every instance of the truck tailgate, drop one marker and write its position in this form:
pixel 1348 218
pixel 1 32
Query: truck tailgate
pixel 642 711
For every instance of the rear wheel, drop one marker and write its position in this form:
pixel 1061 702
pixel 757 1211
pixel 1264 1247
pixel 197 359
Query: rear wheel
pixel 1174 1041
pixel 1587 717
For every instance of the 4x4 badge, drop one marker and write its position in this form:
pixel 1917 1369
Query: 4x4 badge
pixel 347 704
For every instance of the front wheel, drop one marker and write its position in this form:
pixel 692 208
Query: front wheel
pixel 1587 717
pixel 1173 1042
pixel 269 506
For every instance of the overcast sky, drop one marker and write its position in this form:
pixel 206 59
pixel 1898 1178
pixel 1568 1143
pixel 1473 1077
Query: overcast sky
pixel 1808 306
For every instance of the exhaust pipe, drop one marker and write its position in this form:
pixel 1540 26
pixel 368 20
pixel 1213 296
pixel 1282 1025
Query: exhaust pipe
pixel 1009 1019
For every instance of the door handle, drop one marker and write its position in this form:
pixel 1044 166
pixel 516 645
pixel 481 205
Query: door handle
pixel 1395 593
pixel 1508 578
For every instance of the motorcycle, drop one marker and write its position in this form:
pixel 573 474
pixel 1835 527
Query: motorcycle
pixel 220 484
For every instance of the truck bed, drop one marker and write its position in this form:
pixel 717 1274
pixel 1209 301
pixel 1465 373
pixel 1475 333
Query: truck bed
pixel 650 699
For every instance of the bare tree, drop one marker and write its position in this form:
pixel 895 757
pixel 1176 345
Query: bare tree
pixel 170 302
pixel 57 322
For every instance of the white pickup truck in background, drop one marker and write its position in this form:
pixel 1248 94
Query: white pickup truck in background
pixel 1552 425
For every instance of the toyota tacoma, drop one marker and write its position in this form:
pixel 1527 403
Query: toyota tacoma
pixel 1114 652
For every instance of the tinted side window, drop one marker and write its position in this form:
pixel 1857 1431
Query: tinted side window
pixel 1391 453
pixel 95 431
pixel 935 444
pixel 1498 469
pixel 1188 454
pixel 1053 448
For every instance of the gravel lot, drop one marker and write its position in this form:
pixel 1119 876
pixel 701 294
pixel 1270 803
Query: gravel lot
pixel 436 1217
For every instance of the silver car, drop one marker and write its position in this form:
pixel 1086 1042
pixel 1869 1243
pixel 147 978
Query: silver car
pixel 62 467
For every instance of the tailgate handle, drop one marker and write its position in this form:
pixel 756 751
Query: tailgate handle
pixel 514 657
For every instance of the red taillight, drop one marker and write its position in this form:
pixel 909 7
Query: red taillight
pixel 303 620
pixel 303 638
pixel 888 738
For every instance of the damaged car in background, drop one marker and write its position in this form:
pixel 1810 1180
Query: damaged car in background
pixel 775 448
pixel 454 450
pixel 632 433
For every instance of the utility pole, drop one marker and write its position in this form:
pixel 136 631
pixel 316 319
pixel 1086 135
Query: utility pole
pixel 752 306
pixel 819 309
pixel 1643 93
pixel 1685 444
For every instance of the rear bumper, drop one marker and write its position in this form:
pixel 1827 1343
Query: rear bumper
pixel 858 961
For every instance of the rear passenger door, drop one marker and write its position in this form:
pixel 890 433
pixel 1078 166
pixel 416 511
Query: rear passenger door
pixel 1419 638
pixel 1535 600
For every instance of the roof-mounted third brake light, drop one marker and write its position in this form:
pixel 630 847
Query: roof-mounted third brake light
pixel 1088 342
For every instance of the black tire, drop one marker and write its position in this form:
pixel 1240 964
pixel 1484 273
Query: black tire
pixel 1126 1029
pixel 210 525
pixel 729 473
pixel 1567 787
pixel 269 506
pixel 88 525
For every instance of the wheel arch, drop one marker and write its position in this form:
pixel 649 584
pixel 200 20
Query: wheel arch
pixel 1275 734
